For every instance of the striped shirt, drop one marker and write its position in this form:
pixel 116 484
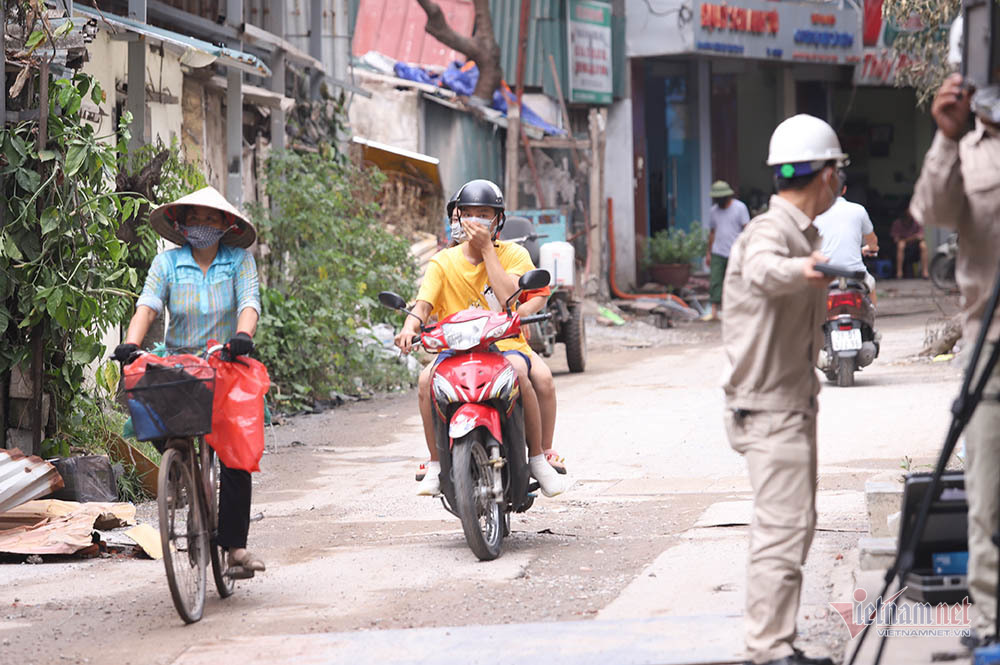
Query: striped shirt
pixel 202 306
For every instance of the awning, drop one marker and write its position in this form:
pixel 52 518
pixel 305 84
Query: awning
pixel 197 53
pixel 398 160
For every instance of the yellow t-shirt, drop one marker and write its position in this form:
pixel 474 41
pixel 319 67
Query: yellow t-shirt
pixel 452 284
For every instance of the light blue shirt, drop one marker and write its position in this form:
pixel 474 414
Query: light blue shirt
pixel 202 306
pixel 727 223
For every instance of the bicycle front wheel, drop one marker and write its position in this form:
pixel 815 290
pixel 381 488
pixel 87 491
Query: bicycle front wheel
pixel 210 477
pixel 183 534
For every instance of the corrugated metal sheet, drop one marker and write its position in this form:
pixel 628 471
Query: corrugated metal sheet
pixel 396 29
pixel 546 34
pixel 24 478
pixel 467 147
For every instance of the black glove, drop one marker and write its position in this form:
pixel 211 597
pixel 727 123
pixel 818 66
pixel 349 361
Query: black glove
pixel 240 345
pixel 125 353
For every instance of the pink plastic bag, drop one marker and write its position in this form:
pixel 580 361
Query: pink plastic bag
pixel 238 411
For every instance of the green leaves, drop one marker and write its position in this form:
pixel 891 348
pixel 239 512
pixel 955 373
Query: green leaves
pixel 34 39
pixel 75 157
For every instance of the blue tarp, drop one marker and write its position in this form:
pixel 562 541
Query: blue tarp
pixel 463 82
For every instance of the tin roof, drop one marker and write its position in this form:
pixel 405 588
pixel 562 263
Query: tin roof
pixel 199 53
pixel 24 478
pixel 396 28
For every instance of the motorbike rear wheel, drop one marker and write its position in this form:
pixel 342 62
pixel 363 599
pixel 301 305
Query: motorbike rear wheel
pixel 942 272
pixel 845 372
pixel 575 336
pixel 482 517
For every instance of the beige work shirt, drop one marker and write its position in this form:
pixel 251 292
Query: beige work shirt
pixel 959 189
pixel 772 324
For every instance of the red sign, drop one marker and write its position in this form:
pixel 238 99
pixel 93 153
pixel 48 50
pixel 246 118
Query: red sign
pixel 738 19
pixel 824 19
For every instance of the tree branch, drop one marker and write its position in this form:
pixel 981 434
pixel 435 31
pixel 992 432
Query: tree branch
pixel 437 27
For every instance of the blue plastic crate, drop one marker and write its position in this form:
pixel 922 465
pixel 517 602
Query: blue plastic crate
pixel 987 655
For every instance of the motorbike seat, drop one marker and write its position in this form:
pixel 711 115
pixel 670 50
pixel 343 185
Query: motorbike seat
pixel 519 227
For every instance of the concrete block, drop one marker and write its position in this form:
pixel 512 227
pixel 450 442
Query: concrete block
pixel 882 500
pixel 20 383
pixel 876 553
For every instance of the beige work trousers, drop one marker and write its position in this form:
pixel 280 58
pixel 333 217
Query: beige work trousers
pixel 780 450
pixel 982 488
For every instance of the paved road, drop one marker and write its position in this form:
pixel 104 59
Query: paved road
pixel 645 554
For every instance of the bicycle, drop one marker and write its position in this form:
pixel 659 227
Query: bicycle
pixel 188 484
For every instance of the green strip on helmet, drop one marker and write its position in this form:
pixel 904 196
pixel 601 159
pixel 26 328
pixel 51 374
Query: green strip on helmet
pixel 787 170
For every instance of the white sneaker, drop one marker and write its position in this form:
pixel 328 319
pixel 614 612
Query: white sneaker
pixel 431 484
pixel 549 480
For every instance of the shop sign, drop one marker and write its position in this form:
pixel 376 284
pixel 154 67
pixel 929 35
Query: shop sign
pixel 778 31
pixel 590 63
pixel 879 62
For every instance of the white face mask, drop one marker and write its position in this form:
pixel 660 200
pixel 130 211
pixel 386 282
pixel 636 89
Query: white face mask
pixel 479 220
pixel 457 232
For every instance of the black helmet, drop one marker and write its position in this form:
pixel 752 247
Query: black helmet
pixel 482 193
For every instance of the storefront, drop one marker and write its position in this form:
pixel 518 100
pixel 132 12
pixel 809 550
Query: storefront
pixel 708 85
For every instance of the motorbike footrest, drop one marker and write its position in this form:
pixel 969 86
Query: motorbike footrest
pixel 533 487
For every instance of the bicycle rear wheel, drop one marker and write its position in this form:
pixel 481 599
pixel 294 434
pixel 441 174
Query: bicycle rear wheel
pixel 183 534
pixel 210 476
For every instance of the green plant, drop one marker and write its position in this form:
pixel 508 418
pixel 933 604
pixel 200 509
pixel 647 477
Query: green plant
pixel 64 277
pixel 327 258
pixel 676 245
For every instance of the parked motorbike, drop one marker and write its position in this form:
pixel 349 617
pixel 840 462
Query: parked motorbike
pixel 942 268
pixel 850 338
pixel 566 324
pixel 479 419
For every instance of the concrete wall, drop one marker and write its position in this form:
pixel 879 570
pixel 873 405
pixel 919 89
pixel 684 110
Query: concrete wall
pixel 618 186
pixel 391 116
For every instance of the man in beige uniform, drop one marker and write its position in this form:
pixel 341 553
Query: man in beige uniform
pixel 772 334
pixel 959 189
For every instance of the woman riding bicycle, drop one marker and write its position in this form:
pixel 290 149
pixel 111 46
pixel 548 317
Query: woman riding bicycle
pixel 208 287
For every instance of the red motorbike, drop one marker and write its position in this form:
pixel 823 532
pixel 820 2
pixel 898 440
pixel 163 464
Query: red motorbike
pixel 850 339
pixel 479 419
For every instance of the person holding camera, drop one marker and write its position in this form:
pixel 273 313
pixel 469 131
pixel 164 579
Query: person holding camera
pixel 772 335
pixel 959 190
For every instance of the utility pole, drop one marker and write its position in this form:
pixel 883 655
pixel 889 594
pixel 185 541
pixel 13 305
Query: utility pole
pixel 278 20
pixel 315 44
pixel 514 113
pixel 136 100
pixel 234 112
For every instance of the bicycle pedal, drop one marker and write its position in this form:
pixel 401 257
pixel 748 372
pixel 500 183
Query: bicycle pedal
pixel 239 573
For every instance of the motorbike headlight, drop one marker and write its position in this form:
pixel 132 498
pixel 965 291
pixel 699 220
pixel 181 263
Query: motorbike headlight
pixel 465 335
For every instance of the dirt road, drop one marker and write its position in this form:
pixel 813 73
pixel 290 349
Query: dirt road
pixel 654 528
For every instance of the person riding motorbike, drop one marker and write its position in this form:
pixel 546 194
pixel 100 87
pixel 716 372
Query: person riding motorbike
pixel 848 235
pixel 479 272
pixel 209 287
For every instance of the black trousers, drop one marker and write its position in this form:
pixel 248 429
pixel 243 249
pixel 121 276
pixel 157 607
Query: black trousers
pixel 234 507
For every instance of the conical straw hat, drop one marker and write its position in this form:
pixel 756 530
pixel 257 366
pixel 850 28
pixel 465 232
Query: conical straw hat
pixel 164 219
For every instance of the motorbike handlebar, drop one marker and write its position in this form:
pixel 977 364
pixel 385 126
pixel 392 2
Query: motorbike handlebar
pixel 837 271
pixel 536 318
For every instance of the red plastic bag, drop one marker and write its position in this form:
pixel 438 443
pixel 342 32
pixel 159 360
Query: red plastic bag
pixel 238 411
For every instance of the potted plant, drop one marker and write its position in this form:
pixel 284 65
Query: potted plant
pixel 669 254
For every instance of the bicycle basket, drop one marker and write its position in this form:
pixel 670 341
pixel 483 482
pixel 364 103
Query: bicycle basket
pixel 171 401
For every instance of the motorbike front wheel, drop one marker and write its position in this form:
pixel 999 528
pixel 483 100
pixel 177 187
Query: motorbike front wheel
pixel 482 517
pixel 942 271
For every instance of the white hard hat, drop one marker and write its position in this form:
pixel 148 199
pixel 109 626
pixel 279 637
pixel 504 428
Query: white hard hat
pixel 802 144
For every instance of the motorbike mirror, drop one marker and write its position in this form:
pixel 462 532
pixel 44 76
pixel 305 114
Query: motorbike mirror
pixel 391 300
pixel 534 279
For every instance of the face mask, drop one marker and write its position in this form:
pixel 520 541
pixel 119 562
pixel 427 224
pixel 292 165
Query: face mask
pixel 986 103
pixel 457 232
pixel 479 220
pixel 201 237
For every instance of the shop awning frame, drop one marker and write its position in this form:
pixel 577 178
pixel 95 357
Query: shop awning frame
pixel 198 53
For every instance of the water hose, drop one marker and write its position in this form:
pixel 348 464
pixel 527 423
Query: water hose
pixel 618 293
